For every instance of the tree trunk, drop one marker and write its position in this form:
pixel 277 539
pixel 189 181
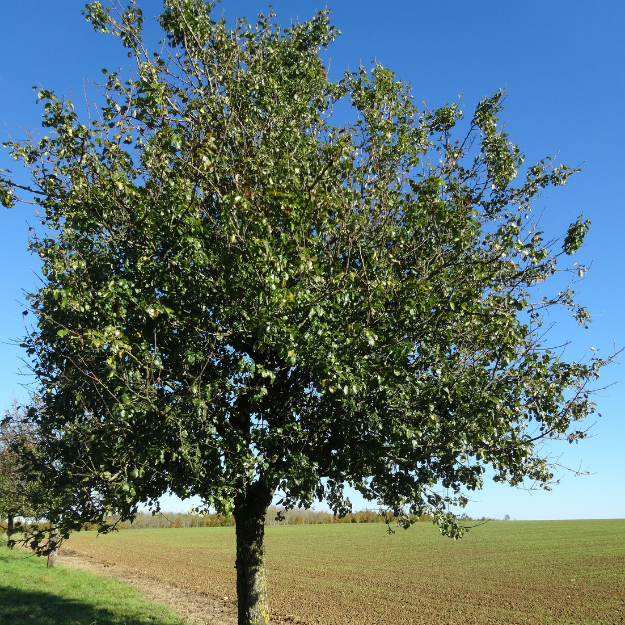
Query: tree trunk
pixel 249 513
pixel 53 542
pixel 10 526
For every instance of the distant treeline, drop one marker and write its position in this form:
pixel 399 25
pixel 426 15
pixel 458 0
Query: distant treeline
pixel 296 516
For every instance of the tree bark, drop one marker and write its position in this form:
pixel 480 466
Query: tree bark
pixel 53 542
pixel 249 513
pixel 10 526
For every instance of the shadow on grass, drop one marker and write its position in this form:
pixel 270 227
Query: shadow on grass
pixel 18 607
pixel 31 594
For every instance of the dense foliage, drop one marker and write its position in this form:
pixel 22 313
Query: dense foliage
pixel 244 297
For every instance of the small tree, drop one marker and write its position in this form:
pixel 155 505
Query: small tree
pixel 16 490
pixel 23 492
pixel 242 298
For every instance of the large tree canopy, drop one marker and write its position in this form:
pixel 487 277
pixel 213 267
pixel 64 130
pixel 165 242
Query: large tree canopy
pixel 243 296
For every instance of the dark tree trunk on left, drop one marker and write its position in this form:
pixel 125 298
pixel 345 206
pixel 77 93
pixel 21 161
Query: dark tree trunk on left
pixel 10 526
pixel 249 513
pixel 53 544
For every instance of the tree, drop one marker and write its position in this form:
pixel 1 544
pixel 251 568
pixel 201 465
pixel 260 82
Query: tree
pixel 22 491
pixel 243 299
pixel 15 488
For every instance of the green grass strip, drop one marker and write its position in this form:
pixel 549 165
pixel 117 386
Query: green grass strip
pixel 31 594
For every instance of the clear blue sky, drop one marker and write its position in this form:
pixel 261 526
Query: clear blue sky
pixel 563 66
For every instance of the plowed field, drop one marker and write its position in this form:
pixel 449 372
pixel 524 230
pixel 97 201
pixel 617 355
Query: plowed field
pixel 508 573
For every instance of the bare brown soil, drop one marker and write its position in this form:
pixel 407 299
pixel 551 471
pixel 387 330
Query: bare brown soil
pixel 517 573
pixel 195 607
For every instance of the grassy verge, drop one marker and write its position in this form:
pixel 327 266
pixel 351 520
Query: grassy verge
pixel 31 593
